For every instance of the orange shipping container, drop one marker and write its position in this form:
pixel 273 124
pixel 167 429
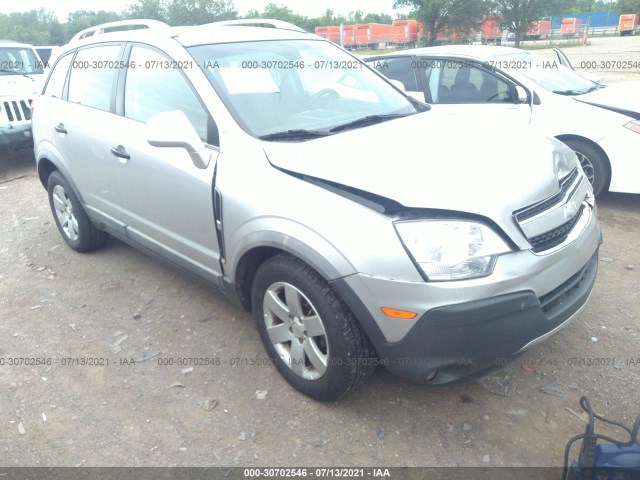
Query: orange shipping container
pixel 408 31
pixel 539 29
pixel 491 32
pixel 571 26
pixel 628 24
pixel 370 34
pixel 330 33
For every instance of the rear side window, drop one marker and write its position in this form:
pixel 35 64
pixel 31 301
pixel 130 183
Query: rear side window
pixel 154 87
pixel 55 85
pixel 92 75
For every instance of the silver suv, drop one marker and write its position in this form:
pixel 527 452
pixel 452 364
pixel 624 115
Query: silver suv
pixel 287 174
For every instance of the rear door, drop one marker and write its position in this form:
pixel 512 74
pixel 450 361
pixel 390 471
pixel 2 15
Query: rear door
pixel 80 123
pixel 168 200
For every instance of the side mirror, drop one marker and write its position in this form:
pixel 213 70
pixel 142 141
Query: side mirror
pixel 521 94
pixel 173 129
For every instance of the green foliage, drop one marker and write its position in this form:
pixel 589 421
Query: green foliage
pixel 37 27
pixel 454 16
pixel 518 15
pixel 149 9
pixel 198 12
pixel 628 6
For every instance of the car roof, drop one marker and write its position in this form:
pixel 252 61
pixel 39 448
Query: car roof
pixel 11 43
pixel 188 36
pixel 478 52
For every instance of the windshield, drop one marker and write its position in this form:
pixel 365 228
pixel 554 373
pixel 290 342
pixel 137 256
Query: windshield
pixel 301 88
pixel 19 61
pixel 549 74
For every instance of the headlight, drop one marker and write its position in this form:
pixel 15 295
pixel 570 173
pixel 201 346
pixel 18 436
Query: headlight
pixel 635 126
pixel 451 249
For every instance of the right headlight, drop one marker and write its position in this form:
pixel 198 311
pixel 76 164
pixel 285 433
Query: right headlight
pixel 451 249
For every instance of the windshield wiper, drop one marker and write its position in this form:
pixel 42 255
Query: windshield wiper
pixel 368 120
pixel 293 135
pixel 569 92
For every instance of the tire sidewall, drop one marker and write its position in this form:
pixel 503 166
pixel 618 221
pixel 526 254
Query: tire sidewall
pixel 338 377
pixel 600 172
pixel 79 244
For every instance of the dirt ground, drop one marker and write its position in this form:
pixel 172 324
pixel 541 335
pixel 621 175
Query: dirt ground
pixel 131 315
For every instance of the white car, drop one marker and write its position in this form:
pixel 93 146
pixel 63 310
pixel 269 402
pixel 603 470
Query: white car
pixel 21 79
pixel 498 85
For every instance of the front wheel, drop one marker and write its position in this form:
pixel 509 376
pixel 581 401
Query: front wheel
pixel 593 163
pixel 314 340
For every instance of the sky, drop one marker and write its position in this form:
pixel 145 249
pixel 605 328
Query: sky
pixel 309 8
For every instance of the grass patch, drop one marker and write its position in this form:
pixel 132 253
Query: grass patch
pixel 546 45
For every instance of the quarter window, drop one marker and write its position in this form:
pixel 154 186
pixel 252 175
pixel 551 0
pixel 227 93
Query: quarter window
pixel 55 85
pixel 154 86
pixel 92 75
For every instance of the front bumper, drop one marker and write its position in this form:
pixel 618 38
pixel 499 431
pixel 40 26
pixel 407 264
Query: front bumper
pixel 16 135
pixel 464 341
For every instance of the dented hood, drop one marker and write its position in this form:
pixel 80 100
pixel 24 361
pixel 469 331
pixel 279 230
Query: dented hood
pixel 435 161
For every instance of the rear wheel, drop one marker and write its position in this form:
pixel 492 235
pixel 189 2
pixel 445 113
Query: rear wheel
pixel 593 163
pixel 313 339
pixel 72 221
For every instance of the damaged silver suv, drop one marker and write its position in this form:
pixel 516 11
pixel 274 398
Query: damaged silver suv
pixel 287 174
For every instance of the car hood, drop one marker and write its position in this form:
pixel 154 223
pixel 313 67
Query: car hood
pixel 622 97
pixel 435 161
pixel 19 85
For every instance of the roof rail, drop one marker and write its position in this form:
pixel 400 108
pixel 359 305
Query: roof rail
pixel 260 22
pixel 120 25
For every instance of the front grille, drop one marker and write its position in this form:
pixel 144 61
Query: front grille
pixel 17 110
pixel 559 295
pixel 556 236
pixel 534 210
pixel 550 223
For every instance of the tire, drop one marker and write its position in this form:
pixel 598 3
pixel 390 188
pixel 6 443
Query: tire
pixel 290 301
pixel 72 221
pixel 593 163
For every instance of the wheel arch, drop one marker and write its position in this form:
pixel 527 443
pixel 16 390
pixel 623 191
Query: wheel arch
pixel 47 162
pixel 262 245
pixel 594 145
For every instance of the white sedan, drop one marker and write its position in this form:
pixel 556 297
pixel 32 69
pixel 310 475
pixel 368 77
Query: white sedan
pixel 497 85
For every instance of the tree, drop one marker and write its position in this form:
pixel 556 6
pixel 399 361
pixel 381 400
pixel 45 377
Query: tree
pixel 355 17
pixel 285 14
pixel 151 9
pixel 518 15
pixel 198 12
pixel 377 18
pixel 628 6
pixel 446 15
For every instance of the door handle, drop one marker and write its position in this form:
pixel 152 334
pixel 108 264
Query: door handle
pixel 120 152
pixel 60 128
